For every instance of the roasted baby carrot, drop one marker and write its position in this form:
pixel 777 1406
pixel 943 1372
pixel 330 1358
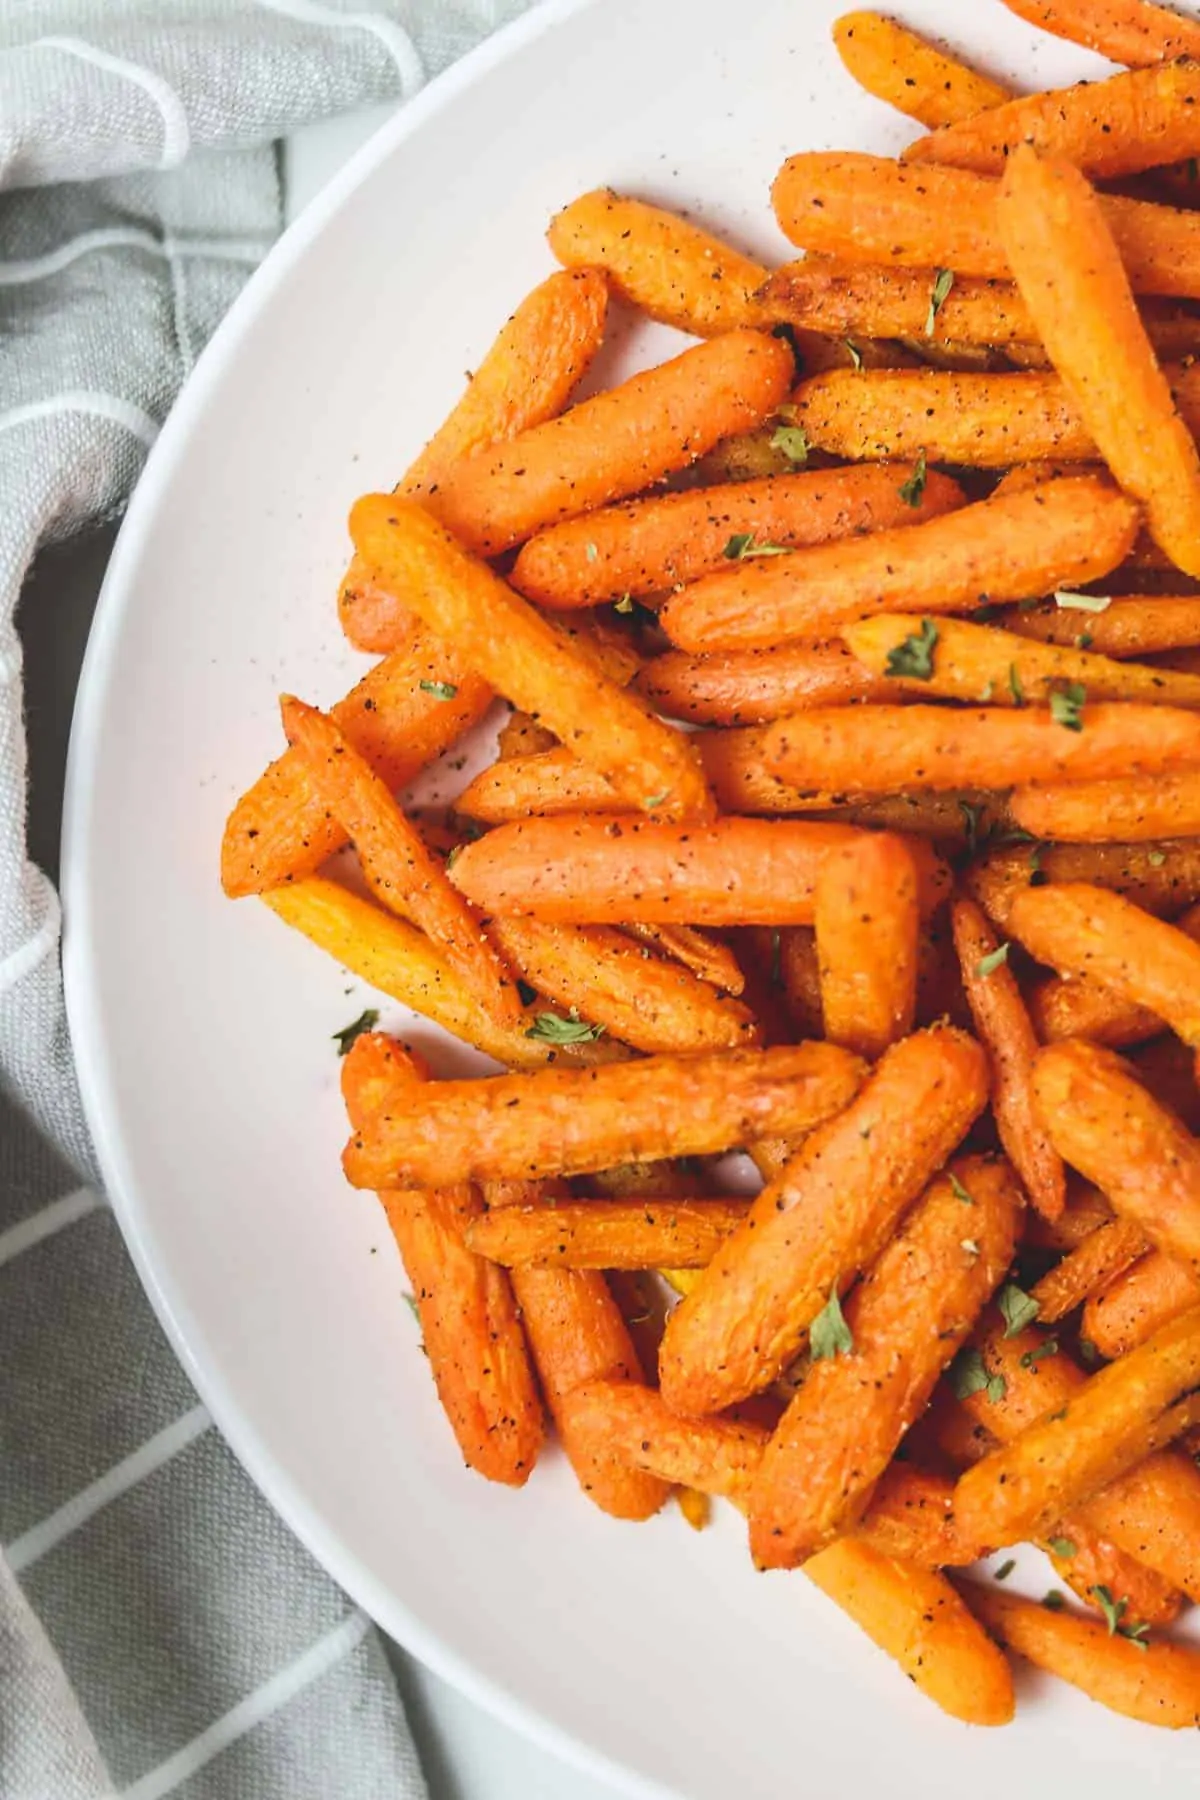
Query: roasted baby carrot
pixel 911 1514
pixel 1126 31
pixel 402 873
pixel 961 661
pixel 825 1217
pixel 600 975
pixel 1075 1006
pixel 647 546
pixel 526 660
pixel 886 749
pixel 1085 930
pixel 586 870
pixel 1007 1034
pixel 1119 627
pixel 615 444
pixel 1069 268
pixel 1161 878
pixel 750 687
pixel 664 265
pixel 1114 1421
pixel 919 1619
pixel 1101 1257
pixel 609 1234
pixel 867 915
pixel 718 1456
pixel 697 950
pixel 1109 1127
pixel 1138 119
pixel 1152 1293
pixel 1124 810
pixel 399 717
pixel 567 1122
pixel 1066 533
pixel 918 78
pixel 904 1323
pixel 869 209
pixel 399 960
pixel 1154 1682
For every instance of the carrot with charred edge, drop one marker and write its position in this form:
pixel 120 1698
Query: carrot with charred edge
pixel 1128 626
pixel 616 443
pixel 1161 878
pixel 1103 1256
pixel 886 749
pixel 1007 1034
pixel 1114 1421
pixel 1155 1291
pixel 1126 31
pixel 704 955
pixel 395 718
pixel 908 72
pixel 1068 532
pixel 577 1335
pixel 1151 1514
pixel 1078 1007
pixel 401 872
pixel 568 1121
pixel 526 660
pixel 750 687
pixel 401 961
pixel 1157 1683
pixel 646 546
pixel 664 265
pixel 645 1002
pixel 1070 271
pixel 966 661
pixel 1085 930
pixel 868 921
pixel 1124 810
pixel 584 870
pixel 826 1216
pixel 469 1325
pixel 1085 1213
pixel 870 209
pixel 1106 1124
pixel 609 1234
pixel 1138 119
pixel 718 1456
pixel 918 1618
pixel 905 1321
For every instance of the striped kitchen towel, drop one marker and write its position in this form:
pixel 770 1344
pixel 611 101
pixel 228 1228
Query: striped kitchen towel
pixel 161 1633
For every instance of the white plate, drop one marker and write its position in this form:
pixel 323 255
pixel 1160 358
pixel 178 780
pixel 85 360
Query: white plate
pixel 203 1028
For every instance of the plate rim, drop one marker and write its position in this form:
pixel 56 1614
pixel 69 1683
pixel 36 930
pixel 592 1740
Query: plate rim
pixel 287 1498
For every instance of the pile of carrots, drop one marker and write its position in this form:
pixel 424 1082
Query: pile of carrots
pixel 910 542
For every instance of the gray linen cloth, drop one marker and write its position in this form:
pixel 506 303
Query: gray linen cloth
pixel 160 1631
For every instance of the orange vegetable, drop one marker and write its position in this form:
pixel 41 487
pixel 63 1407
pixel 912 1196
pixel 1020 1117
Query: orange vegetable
pixel 605 978
pixel 469 1325
pixel 917 1617
pixel 1161 878
pixel 1111 1424
pixel 1101 1257
pixel 1124 810
pixel 616 443
pixel 1006 1032
pixel 1127 31
pixel 1138 119
pixel 869 209
pixel 664 265
pixel 1155 1291
pixel 568 1121
pixel 1086 930
pixel 1154 1682
pixel 886 749
pixel 749 687
pixel 911 1514
pixel 646 546
pixel 718 1455
pixel 1069 268
pixel 280 830
pixel 1126 627
pixel 827 1215
pixel 1066 533
pixel 906 1320
pixel 1106 1124
pixel 609 1234
pixel 703 954
pixel 526 660
pixel 911 74
pixel 586 870
pixel 1077 1007
pixel 868 921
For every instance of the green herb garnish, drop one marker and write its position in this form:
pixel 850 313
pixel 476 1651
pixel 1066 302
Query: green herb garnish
pixel 1017 1308
pixel 987 965
pixel 943 282
pixel 969 1375
pixel 829 1335
pixel 742 545
pixel 1093 603
pixel 1066 705
pixel 551 1028
pixel 913 490
pixel 914 657
pixel 366 1021
pixel 793 441
pixel 441 690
